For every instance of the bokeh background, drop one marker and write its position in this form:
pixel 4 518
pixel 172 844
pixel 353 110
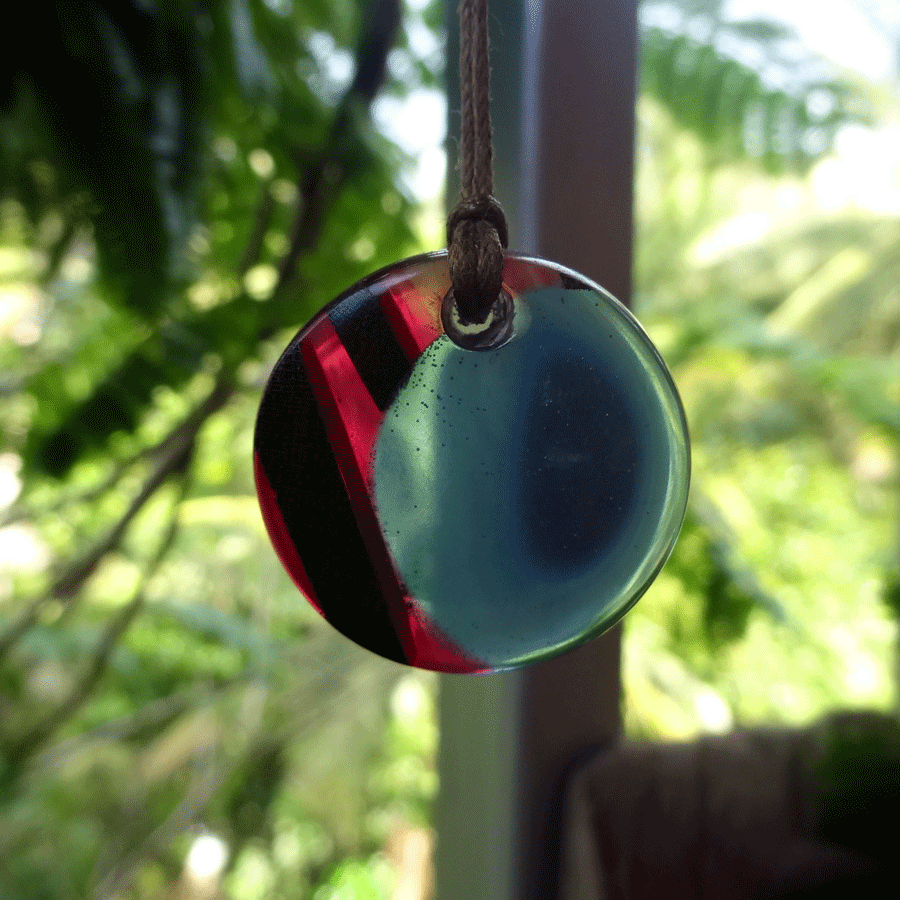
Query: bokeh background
pixel 180 191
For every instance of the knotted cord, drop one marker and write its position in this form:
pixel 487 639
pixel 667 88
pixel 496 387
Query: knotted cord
pixel 476 228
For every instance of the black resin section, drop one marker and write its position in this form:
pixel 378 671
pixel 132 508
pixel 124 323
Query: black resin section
pixel 372 346
pixel 300 466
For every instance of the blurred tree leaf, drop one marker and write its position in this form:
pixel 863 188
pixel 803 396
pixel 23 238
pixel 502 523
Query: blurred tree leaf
pixel 300 159
pixel 705 561
pixel 742 86
pixel 111 133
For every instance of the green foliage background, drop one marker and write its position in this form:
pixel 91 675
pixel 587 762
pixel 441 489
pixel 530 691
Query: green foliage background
pixel 182 189
pixel 779 315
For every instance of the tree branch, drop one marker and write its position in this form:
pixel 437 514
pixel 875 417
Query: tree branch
pixel 320 182
pixel 154 715
pixel 95 492
pixel 263 216
pixel 315 192
pixel 204 787
pixel 171 456
pixel 26 745
pixel 23 513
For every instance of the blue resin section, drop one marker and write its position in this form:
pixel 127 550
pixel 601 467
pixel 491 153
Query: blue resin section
pixel 530 494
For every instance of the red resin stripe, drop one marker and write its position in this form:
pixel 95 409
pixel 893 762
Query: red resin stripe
pixel 414 322
pixel 521 275
pixel 342 399
pixel 279 536
pixel 432 650
pixel 348 410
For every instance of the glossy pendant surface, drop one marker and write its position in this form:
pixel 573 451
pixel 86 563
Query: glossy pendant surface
pixel 472 511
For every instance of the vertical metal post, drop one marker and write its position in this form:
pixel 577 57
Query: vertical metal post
pixel 564 75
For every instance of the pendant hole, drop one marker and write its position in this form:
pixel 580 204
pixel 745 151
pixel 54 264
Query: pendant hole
pixel 493 332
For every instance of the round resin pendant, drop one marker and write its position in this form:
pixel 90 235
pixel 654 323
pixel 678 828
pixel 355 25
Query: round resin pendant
pixel 472 510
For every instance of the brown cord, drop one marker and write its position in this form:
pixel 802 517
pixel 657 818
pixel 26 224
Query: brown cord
pixel 476 228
